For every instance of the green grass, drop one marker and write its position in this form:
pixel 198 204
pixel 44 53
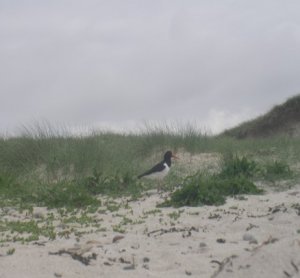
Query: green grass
pixel 281 119
pixel 276 170
pixel 236 176
pixel 27 231
pixel 10 251
pixel 49 167
pixel 233 179
pixel 235 166
pixel 200 189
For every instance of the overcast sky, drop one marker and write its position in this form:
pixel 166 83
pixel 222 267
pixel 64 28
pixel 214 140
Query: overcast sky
pixel 119 63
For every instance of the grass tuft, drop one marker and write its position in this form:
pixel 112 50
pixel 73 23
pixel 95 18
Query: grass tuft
pixel 201 189
pixel 233 166
pixel 276 170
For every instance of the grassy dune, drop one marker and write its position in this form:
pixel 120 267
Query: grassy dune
pixel 52 168
pixel 281 119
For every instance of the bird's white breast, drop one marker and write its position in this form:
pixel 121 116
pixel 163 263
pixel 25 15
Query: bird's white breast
pixel 160 175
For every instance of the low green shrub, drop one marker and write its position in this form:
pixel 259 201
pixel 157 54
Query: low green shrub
pixel 277 170
pixel 65 194
pixel 203 189
pixel 233 179
pixel 233 165
pixel 116 185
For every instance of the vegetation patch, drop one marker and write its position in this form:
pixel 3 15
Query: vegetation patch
pixel 233 166
pixel 26 231
pixel 277 170
pixel 45 166
pixel 281 119
pixel 203 189
pixel 113 185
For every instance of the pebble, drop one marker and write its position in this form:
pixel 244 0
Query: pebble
pixel 146 266
pixel 146 260
pixel 129 267
pixel 125 260
pixel 135 246
pixel 202 245
pixel 250 238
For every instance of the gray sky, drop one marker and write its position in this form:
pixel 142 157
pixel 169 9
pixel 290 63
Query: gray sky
pixel 120 63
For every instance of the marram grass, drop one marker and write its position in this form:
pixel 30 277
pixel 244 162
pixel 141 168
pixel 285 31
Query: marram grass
pixel 58 169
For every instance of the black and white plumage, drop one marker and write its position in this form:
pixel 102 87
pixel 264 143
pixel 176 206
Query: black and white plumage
pixel 160 170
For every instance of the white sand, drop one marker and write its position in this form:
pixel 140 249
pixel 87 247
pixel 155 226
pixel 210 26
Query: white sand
pixel 270 221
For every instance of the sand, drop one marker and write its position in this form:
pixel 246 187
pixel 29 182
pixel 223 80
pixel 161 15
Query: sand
pixel 255 237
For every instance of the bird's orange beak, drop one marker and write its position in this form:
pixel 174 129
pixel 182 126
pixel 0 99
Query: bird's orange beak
pixel 174 156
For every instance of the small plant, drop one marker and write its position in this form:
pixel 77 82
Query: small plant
pixel 31 230
pixel 196 191
pixel 196 213
pixel 175 215
pixel 10 251
pixel 66 194
pixel 200 189
pixel 296 206
pixel 126 221
pixel 233 166
pixel 112 206
pixel 118 229
pixel 114 185
pixel 153 211
pixel 84 220
pixel 277 170
pixel 233 207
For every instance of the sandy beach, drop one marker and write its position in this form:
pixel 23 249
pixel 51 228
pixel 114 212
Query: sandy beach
pixel 254 236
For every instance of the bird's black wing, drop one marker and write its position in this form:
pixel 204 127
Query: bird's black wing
pixel 157 168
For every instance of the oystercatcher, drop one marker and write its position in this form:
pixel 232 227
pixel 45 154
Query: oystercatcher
pixel 160 170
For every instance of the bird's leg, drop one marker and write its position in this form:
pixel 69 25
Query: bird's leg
pixel 159 186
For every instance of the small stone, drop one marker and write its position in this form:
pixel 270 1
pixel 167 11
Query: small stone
pixel 250 238
pixel 124 260
pixel 129 267
pixel 57 275
pixel 221 240
pixel 113 260
pixel 202 245
pixel 146 266
pixel 188 273
pixel 146 260
pixel 135 246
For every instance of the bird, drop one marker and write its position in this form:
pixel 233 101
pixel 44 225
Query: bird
pixel 161 169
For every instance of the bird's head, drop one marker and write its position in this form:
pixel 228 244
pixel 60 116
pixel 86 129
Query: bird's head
pixel 168 155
